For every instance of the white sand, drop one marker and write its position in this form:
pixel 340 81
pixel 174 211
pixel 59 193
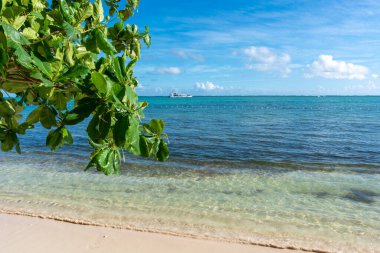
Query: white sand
pixel 29 234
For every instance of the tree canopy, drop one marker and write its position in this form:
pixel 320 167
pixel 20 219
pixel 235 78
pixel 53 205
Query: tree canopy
pixel 70 62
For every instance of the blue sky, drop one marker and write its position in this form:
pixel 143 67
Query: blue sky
pixel 241 47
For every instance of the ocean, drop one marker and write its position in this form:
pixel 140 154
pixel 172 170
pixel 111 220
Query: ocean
pixel 286 171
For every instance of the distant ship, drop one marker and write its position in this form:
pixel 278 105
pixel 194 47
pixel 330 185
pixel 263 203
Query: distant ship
pixel 179 95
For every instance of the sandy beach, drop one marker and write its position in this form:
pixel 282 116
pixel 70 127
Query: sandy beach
pixel 30 234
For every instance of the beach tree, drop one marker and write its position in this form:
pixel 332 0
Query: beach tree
pixel 73 63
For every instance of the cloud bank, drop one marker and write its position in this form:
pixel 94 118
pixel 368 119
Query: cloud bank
pixel 208 86
pixel 169 70
pixel 188 54
pixel 329 68
pixel 266 60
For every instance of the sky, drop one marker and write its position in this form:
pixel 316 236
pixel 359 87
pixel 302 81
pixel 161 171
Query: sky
pixel 242 47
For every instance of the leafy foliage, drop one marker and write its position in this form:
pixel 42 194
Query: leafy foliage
pixel 53 54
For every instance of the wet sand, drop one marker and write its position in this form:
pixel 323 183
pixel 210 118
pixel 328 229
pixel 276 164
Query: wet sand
pixel 30 234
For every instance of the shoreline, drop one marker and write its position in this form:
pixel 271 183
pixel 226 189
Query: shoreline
pixel 82 225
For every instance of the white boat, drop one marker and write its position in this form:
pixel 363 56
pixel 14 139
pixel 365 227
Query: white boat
pixel 179 95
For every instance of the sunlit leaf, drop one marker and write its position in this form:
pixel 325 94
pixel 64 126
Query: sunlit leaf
pixel 14 35
pixel 62 58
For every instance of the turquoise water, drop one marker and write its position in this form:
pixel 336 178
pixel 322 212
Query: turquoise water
pixel 287 171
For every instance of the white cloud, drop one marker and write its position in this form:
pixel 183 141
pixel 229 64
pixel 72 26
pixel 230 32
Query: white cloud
pixel 169 70
pixel 329 68
pixel 140 86
pixel 208 86
pixel 188 54
pixel 371 88
pixel 266 60
pixel 209 69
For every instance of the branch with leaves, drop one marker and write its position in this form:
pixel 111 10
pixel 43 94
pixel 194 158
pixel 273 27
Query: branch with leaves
pixel 70 64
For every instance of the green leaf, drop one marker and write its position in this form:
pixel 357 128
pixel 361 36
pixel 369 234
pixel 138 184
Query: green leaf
pixel 21 129
pixel 155 143
pixel 116 161
pixel 45 92
pixel 14 35
pixel 156 126
pixel 52 52
pixel 58 137
pixel 47 117
pixel 91 43
pixel 72 33
pixel 11 12
pixel 83 53
pixel 147 40
pixel 133 136
pixel 131 95
pixel 122 67
pixel 44 67
pixel 100 125
pixel 104 125
pixel 23 57
pixel 103 42
pixel 126 13
pixel 6 109
pixel 163 152
pixel 38 4
pixel 2 133
pixel 30 33
pixel 15 87
pixel 117 68
pixel 98 11
pixel 101 83
pixel 82 13
pixel 44 51
pixel 108 168
pixel 25 2
pixel 144 149
pixel 137 49
pixel 134 3
pixel 120 131
pixel 105 161
pixel 101 157
pixel 60 101
pixel 69 53
pixel 54 139
pixel 83 109
pixel 35 13
pixel 86 106
pixel 130 65
pixel 96 145
pixel 56 16
pixel 2 4
pixel 44 81
pixel 3 60
pixel 3 39
pixel 8 142
pixel 66 10
pixel 34 116
pixel 73 119
pixel 19 21
pixel 68 138
pixel 77 71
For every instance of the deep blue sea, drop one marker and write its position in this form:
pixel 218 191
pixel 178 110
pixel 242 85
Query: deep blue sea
pixel 289 171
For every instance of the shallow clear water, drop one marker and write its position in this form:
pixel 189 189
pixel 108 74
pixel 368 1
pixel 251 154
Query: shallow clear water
pixel 288 171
